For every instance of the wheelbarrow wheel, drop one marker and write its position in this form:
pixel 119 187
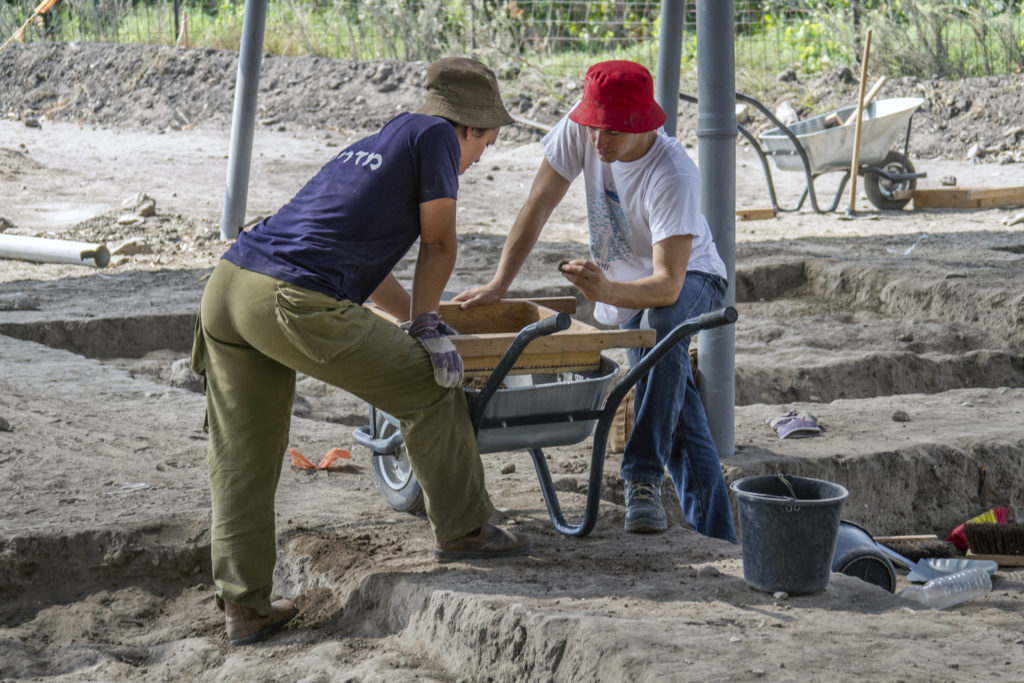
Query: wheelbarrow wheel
pixel 882 191
pixel 393 473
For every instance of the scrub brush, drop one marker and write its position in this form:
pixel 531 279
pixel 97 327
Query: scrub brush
pixel 919 547
pixel 1003 543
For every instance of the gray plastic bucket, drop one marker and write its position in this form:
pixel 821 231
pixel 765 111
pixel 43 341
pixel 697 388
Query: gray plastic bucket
pixel 788 538
pixel 857 554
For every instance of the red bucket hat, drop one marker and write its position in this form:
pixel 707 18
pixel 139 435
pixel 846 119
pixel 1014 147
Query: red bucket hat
pixel 619 95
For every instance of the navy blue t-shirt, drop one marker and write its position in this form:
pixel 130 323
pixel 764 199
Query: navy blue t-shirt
pixel 359 215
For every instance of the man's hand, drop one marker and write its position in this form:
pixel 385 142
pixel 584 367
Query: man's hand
pixel 443 356
pixel 588 277
pixel 487 294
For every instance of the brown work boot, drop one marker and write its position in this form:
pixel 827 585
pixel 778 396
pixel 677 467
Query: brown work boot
pixel 245 626
pixel 486 541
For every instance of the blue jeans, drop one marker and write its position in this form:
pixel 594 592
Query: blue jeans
pixel 670 428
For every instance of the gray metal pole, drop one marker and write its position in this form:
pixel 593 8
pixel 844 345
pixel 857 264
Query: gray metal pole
pixel 250 54
pixel 670 46
pixel 716 134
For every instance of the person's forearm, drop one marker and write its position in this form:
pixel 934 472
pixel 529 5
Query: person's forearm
pixel 648 292
pixel 391 297
pixel 434 266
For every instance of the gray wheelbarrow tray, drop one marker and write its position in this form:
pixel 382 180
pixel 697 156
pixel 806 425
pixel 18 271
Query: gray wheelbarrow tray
pixel 814 148
pixel 532 412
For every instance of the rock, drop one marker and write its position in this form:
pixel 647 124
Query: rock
pixel 900 416
pixel 948 181
pixel 5 224
pixel 787 75
pixel 509 468
pixel 742 114
pixel 974 152
pixel 32 123
pixel 133 246
pixel 140 204
pixel 786 113
pixel 5 426
pixel 301 407
pixel 183 377
pixel 130 219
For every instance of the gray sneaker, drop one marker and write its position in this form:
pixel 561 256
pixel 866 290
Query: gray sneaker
pixel 644 512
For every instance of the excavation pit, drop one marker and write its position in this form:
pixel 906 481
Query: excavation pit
pixel 102 435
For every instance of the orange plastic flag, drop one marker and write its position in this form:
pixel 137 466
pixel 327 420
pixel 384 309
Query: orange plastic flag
pixel 332 455
pixel 299 461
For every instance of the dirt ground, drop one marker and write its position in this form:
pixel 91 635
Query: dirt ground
pixel 902 331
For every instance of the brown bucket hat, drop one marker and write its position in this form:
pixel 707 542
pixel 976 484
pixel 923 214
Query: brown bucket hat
pixel 464 91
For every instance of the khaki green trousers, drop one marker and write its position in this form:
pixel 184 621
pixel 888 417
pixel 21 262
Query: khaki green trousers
pixel 253 334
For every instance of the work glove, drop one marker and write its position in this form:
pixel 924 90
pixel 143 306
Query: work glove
pixel 426 327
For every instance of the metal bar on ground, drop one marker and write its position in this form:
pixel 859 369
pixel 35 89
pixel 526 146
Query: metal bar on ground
pixel 42 250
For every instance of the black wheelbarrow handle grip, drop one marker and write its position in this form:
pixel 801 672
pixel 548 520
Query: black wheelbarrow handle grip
pixel 718 318
pixel 550 325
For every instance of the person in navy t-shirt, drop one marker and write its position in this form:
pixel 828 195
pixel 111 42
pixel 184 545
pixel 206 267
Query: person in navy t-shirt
pixel 287 297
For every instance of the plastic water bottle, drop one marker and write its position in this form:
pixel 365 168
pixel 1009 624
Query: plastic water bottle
pixel 946 591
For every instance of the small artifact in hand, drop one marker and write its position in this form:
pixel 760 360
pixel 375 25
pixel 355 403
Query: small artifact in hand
pixel 562 264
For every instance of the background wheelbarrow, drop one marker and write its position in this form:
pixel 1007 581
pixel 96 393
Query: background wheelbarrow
pixel 815 148
pixel 531 411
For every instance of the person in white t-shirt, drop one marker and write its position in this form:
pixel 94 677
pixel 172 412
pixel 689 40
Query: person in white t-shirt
pixel 653 265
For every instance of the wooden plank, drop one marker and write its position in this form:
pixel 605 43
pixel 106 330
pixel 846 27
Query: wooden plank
pixel 944 198
pixel 562 304
pixel 908 538
pixel 486 333
pixel 991 202
pixel 756 214
pixel 996 192
pixel 1001 560
pixel 565 361
pixel 964 197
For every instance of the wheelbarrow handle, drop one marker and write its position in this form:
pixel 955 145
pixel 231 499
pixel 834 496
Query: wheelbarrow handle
pixel 363 435
pixel 368 436
pixel 706 321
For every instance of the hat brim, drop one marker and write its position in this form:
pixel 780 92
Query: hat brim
pixel 485 116
pixel 634 121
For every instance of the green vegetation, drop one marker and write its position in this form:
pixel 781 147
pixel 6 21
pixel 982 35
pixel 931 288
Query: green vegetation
pixel 946 38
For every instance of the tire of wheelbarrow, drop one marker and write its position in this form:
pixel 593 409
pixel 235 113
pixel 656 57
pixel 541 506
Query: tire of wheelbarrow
pixel 394 476
pixel 881 192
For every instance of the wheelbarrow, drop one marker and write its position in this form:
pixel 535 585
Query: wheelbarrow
pixel 531 412
pixel 815 148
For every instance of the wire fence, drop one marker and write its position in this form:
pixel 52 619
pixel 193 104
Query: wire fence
pixel 948 38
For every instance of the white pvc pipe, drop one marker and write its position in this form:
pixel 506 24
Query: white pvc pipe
pixel 53 251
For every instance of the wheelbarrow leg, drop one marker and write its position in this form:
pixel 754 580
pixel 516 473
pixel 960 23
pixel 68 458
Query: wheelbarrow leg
pixel 547 486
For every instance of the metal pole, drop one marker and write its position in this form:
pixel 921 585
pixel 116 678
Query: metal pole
pixel 177 22
pixel 243 121
pixel 670 46
pixel 716 134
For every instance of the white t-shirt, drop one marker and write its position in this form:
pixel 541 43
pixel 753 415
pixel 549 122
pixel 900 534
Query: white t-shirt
pixel 632 205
